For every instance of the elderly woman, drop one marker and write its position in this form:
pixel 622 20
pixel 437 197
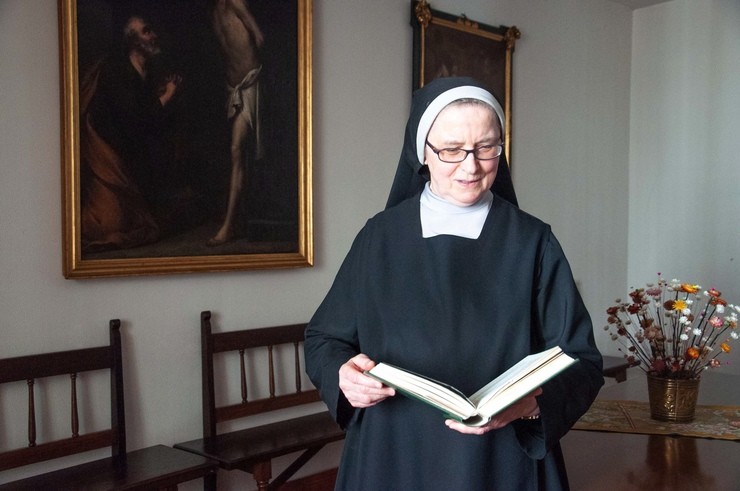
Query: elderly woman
pixel 454 282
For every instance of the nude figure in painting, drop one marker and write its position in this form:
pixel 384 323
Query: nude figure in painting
pixel 240 38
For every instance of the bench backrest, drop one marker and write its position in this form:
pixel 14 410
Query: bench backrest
pixel 267 338
pixel 31 368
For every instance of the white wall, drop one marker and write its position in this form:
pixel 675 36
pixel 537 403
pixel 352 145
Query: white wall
pixel 684 170
pixel 571 135
pixel 684 174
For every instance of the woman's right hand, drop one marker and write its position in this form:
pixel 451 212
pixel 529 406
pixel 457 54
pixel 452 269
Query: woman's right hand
pixel 359 389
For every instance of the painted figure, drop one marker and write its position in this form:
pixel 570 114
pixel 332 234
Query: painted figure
pixel 240 38
pixel 125 160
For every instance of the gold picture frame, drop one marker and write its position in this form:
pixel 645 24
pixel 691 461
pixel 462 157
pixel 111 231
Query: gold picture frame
pixel 448 45
pixel 147 191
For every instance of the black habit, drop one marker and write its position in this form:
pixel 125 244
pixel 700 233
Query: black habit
pixel 461 311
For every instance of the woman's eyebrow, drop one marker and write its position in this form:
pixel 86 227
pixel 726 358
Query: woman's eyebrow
pixel 451 142
pixel 489 140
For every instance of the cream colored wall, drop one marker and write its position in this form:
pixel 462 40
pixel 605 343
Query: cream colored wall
pixel 571 132
pixel 684 146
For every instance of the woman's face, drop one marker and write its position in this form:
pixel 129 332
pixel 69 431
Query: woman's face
pixel 462 126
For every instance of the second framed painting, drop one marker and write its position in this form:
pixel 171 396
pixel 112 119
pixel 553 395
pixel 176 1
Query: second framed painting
pixel 186 136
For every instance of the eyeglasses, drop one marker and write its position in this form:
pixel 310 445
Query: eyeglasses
pixel 456 155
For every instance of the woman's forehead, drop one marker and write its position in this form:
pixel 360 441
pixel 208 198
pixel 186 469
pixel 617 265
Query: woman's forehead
pixel 433 107
pixel 476 112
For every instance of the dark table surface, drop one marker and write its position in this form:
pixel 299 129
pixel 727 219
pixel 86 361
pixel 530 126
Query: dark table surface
pixel 622 461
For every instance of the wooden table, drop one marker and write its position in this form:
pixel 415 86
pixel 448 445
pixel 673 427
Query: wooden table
pixel 622 461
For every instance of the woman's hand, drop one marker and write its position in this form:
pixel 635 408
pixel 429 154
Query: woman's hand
pixel 359 389
pixel 525 407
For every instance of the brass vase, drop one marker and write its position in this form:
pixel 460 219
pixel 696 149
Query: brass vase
pixel 672 400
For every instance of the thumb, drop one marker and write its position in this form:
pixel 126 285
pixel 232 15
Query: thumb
pixel 362 362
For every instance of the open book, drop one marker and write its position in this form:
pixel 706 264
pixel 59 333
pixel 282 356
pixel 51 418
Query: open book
pixel 478 409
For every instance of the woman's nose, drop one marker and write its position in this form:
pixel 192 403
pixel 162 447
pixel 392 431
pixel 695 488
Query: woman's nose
pixel 469 164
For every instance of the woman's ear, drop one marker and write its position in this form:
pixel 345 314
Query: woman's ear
pixel 425 164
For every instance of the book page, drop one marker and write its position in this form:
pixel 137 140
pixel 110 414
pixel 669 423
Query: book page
pixel 511 393
pixel 439 394
pixel 513 375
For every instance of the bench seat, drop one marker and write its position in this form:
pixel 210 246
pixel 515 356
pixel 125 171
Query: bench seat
pixel 616 367
pixel 157 467
pixel 243 448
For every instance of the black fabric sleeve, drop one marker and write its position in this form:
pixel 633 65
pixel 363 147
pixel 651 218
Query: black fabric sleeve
pixel 560 318
pixel 331 340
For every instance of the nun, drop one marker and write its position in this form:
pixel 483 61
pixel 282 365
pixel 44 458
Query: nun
pixel 453 281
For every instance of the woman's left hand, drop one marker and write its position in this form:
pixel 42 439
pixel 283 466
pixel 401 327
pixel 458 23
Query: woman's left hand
pixel 525 407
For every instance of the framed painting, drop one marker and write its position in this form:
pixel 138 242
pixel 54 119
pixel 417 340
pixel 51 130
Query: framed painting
pixel 446 45
pixel 186 136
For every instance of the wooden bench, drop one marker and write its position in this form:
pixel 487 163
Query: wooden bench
pixel 252 450
pixel 157 467
pixel 616 367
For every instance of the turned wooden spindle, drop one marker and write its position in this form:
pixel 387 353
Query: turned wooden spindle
pixel 31 415
pixel 243 377
pixel 75 416
pixel 297 358
pixel 272 372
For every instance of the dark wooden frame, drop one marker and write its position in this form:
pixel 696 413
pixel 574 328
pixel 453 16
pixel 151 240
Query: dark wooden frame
pixel 72 363
pixel 474 49
pixel 154 467
pixel 252 450
pixel 290 199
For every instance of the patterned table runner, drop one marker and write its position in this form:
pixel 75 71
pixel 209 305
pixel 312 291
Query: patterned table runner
pixel 721 422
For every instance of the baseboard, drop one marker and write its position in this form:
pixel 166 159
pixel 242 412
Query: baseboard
pixel 323 481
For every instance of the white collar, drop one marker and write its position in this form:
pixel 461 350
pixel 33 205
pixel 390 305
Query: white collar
pixel 440 217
